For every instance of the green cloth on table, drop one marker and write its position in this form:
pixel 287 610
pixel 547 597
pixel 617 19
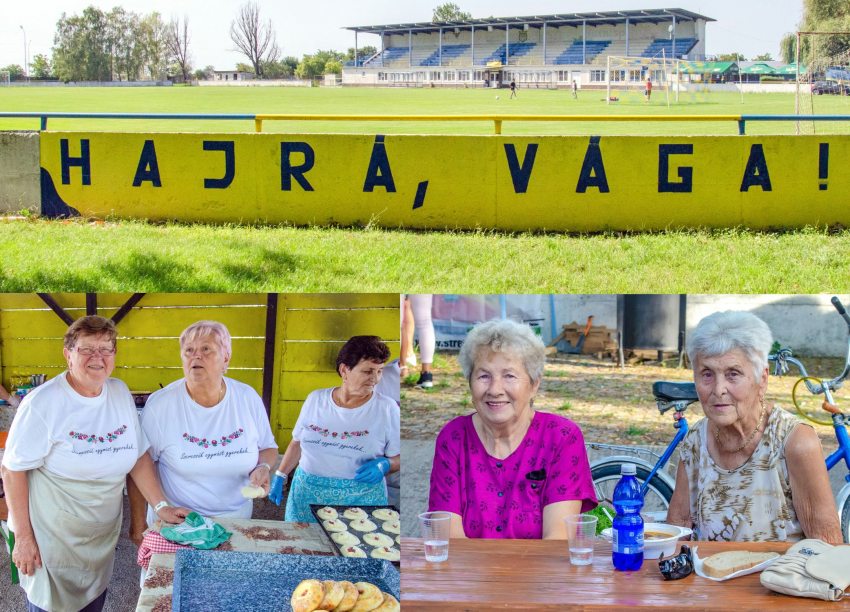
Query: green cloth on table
pixel 196 531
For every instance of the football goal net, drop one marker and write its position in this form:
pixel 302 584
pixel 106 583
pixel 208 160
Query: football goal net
pixel 5 77
pixel 822 80
pixel 639 79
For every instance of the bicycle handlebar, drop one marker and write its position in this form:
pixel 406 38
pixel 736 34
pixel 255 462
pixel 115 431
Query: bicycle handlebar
pixel 783 356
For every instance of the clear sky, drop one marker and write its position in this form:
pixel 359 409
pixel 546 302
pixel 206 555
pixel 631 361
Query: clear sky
pixel 749 27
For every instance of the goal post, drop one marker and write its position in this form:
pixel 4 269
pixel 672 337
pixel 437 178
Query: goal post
pixel 5 77
pixel 822 64
pixel 627 76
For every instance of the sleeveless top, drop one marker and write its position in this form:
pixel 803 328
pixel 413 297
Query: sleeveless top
pixel 751 503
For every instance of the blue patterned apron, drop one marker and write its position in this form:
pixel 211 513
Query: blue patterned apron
pixel 307 489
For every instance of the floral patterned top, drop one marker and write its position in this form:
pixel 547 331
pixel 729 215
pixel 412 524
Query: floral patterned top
pixel 505 498
pixel 751 503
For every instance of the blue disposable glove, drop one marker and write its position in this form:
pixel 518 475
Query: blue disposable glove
pixel 276 488
pixel 372 472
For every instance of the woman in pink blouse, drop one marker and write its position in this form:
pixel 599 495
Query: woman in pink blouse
pixel 508 471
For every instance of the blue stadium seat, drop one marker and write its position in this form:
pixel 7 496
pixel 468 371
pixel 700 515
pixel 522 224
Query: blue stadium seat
pixel 517 49
pixel 389 55
pixel 573 54
pixel 683 47
pixel 450 52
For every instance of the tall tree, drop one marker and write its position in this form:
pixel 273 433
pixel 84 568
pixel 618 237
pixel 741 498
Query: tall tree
pixel 255 40
pixel 40 67
pixel 363 53
pixel 154 35
pixel 449 11
pixel 823 49
pixel 177 39
pixel 764 57
pixel 731 57
pixel 81 47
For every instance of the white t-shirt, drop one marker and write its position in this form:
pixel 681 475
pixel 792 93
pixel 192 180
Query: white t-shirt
pixel 335 441
pixel 83 438
pixel 204 455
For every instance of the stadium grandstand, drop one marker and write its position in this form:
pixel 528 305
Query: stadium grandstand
pixel 534 51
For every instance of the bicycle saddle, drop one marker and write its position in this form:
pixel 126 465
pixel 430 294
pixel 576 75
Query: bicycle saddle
pixel 674 391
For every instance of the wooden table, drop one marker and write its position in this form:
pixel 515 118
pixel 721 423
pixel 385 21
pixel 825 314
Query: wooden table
pixel 249 535
pixel 534 574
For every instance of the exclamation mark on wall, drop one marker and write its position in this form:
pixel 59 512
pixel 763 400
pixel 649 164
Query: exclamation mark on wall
pixel 823 165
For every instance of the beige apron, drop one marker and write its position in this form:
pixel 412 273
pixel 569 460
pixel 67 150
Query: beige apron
pixel 76 525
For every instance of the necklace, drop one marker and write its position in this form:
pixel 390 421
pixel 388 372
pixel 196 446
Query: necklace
pixel 749 438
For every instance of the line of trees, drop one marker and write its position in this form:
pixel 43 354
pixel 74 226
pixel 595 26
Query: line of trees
pixel 99 45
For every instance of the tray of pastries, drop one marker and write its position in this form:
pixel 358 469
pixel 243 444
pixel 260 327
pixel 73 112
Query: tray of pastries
pixel 362 531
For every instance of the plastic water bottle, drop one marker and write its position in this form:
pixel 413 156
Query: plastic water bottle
pixel 627 529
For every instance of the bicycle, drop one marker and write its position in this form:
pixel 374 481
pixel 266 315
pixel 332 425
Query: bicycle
pixel 658 485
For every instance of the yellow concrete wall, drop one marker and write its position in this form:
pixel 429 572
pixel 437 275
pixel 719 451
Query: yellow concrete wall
pixel 310 330
pixel 460 181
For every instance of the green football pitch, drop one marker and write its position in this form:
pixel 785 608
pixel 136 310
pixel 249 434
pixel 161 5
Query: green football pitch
pixel 408 101
pixel 109 255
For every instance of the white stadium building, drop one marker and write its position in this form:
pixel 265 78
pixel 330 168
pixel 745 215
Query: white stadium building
pixel 534 51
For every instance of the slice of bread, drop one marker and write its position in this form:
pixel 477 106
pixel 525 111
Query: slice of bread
pixel 723 564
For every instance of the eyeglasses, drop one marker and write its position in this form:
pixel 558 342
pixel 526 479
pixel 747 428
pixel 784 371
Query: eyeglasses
pixel 90 351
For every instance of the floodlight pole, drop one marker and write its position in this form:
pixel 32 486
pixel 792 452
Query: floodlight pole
pixel 26 71
pixel 797 81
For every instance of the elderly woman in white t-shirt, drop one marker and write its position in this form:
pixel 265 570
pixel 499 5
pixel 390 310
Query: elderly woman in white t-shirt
pixel 71 445
pixel 346 438
pixel 209 434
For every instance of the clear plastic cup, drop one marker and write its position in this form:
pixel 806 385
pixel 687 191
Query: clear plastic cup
pixel 436 527
pixel 581 532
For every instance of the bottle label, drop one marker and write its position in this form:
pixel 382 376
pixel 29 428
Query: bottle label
pixel 628 541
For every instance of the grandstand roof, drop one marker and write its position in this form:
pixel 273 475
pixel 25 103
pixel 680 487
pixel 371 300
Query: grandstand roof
pixel 536 21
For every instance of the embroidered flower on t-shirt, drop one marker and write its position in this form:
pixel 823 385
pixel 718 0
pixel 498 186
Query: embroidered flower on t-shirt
pixel 96 439
pixel 214 442
pixel 325 432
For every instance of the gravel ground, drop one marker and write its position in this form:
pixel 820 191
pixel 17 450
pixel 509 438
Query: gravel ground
pixel 611 404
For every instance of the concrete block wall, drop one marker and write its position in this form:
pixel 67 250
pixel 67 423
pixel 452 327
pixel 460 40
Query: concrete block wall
pixel 20 183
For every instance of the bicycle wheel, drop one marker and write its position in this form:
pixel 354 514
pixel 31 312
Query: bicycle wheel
pixel 844 512
pixel 810 406
pixel 658 493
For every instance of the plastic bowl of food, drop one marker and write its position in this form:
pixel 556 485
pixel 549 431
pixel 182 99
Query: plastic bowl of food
pixel 659 539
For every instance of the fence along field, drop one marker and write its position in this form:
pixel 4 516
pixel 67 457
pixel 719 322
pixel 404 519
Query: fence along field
pixel 125 255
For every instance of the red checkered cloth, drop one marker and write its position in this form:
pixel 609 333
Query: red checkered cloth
pixel 152 544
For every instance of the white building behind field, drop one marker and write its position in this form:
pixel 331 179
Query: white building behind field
pixel 534 51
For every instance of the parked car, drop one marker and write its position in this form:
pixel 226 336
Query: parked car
pixel 830 87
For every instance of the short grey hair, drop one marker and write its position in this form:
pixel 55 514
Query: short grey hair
pixel 212 328
pixel 504 336
pixel 721 332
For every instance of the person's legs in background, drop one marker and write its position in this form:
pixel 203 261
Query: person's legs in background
pixel 407 358
pixel 421 306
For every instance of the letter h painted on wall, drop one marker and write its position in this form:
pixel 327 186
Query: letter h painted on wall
pixel 83 161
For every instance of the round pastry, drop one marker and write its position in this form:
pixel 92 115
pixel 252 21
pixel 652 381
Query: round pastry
pixel 349 599
pixel 385 514
pixel 370 597
pixel 398 540
pixel 386 552
pixel 390 604
pixel 391 527
pixel 363 525
pixel 345 538
pixel 327 513
pixel 355 514
pixel 334 592
pixel 377 539
pixel 251 492
pixel 334 525
pixel 307 595
pixel 352 551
